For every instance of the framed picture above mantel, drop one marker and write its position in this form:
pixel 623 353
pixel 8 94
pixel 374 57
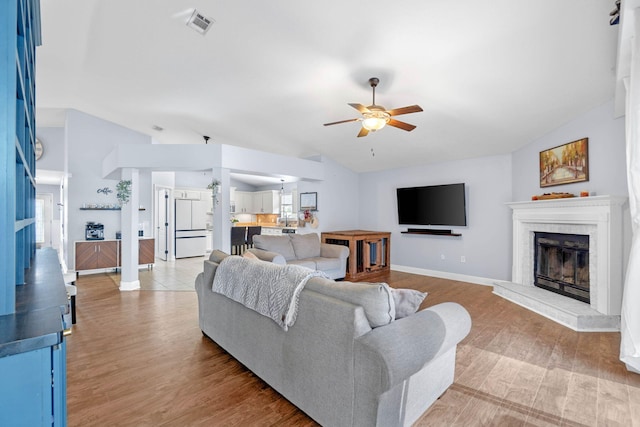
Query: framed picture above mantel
pixel 565 164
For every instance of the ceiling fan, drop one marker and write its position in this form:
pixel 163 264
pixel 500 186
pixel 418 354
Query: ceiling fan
pixel 375 117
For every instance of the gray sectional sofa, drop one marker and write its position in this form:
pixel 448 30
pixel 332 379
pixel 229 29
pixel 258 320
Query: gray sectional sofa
pixel 346 361
pixel 302 249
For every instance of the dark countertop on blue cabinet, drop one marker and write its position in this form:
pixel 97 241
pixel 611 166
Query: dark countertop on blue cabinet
pixel 37 322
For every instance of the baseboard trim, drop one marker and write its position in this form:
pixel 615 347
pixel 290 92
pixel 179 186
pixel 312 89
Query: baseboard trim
pixel 444 275
pixel 130 286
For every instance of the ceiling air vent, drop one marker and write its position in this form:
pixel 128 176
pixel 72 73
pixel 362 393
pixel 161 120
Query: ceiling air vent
pixel 199 22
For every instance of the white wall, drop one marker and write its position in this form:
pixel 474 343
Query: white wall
pixel 193 179
pixel 491 181
pixel 485 242
pixel 607 161
pixel 89 140
pixel 337 198
pixel 53 154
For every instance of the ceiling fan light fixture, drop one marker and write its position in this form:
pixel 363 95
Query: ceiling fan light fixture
pixel 375 120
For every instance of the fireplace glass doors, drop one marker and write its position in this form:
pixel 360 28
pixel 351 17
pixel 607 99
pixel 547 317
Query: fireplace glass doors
pixel 562 264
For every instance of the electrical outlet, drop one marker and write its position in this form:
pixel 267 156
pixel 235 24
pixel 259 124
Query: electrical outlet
pixel 441 256
pixel 463 258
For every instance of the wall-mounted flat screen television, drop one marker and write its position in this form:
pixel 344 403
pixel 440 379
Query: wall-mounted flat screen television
pixel 432 205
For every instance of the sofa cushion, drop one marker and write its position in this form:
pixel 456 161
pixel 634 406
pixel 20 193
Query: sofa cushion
pixel 278 244
pixel 374 298
pixel 407 301
pixel 326 263
pixel 306 245
pixel 308 263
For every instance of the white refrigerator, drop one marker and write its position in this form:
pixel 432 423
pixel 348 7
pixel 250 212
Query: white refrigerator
pixel 190 228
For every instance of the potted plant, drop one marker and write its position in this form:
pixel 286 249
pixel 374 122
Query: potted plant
pixel 123 191
pixel 213 186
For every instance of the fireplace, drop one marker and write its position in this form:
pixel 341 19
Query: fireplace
pixel 562 264
pixel 594 282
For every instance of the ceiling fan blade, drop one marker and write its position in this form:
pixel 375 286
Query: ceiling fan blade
pixel 401 125
pixel 360 108
pixel 405 110
pixel 341 121
pixel 363 132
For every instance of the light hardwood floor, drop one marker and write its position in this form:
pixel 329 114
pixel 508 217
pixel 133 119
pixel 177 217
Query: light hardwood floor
pixel 139 359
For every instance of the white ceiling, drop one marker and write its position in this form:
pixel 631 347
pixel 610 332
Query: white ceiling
pixel 491 76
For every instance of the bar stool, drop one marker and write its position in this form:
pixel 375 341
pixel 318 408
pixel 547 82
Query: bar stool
pixel 72 291
pixel 252 231
pixel 238 240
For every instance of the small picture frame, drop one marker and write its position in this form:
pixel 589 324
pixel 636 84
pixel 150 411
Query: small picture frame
pixel 565 164
pixel 309 201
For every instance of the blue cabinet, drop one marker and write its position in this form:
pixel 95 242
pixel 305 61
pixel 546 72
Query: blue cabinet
pixel 35 376
pixel 33 350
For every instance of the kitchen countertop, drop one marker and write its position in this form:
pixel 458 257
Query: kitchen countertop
pixel 248 224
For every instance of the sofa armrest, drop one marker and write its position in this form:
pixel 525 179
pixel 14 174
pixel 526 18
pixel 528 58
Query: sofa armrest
pixel 329 250
pixel 394 352
pixel 269 256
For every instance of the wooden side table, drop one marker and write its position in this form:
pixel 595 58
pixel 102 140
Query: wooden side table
pixel 369 251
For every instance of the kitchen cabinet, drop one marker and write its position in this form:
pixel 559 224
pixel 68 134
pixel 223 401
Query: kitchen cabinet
pixel 256 202
pixel 271 231
pixel 244 202
pixel 97 254
pixel 146 251
pixel 186 194
pixel 91 255
pixel 266 202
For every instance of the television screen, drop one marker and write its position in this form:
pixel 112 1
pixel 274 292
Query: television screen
pixel 432 205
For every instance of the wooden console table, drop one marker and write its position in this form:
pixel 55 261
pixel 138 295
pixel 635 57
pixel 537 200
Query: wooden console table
pixel 369 251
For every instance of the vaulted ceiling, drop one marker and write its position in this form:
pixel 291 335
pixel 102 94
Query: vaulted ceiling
pixel 491 76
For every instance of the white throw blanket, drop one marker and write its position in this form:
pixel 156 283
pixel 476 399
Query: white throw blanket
pixel 269 289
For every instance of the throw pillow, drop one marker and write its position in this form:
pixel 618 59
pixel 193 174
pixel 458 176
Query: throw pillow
pixel 250 255
pixel 374 298
pixel 217 256
pixel 306 245
pixel 407 301
pixel 278 244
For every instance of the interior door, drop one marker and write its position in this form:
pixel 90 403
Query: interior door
pixel 162 224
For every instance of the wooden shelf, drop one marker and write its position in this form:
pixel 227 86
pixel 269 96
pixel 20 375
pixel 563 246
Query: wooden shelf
pixel 106 209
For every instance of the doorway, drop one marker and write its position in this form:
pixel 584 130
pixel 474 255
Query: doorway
pixel 44 220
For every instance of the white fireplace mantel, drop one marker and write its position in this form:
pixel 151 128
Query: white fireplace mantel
pixel 599 217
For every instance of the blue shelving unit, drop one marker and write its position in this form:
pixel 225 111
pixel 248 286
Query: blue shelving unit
pixel 20 34
pixel 32 291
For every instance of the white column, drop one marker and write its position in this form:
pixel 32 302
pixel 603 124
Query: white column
pixel 221 236
pixel 129 228
pixel 630 319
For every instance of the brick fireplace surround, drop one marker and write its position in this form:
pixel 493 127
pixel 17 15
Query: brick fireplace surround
pixel 599 217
